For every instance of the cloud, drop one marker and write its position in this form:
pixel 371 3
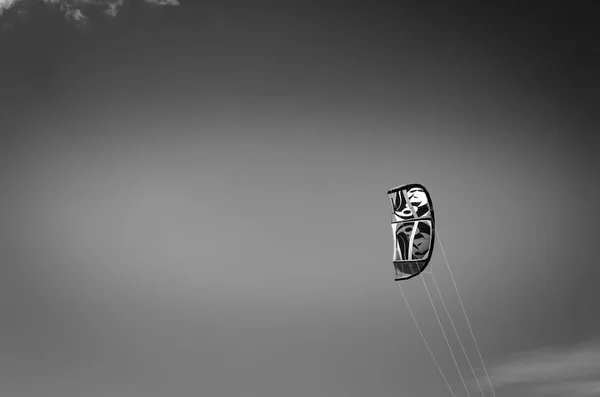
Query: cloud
pixel 113 8
pixel 6 4
pixel 75 10
pixel 75 14
pixel 572 371
pixel 580 388
pixel 163 2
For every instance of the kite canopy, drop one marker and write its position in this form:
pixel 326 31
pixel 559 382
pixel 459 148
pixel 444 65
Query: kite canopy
pixel 413 225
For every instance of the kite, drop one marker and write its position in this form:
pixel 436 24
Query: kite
pixel 413 224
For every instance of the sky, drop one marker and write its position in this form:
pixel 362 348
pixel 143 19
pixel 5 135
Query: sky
pixel 194 197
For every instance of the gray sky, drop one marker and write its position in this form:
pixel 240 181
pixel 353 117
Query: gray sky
pixel 194 197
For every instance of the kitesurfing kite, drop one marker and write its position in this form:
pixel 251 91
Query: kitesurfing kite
pixel 413 224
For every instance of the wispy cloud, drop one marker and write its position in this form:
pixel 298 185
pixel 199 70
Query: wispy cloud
pixel 572 371
pixel 580 388
pixel 163 2
pixel 75 10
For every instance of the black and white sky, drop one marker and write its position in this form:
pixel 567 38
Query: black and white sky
pixel 193 196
